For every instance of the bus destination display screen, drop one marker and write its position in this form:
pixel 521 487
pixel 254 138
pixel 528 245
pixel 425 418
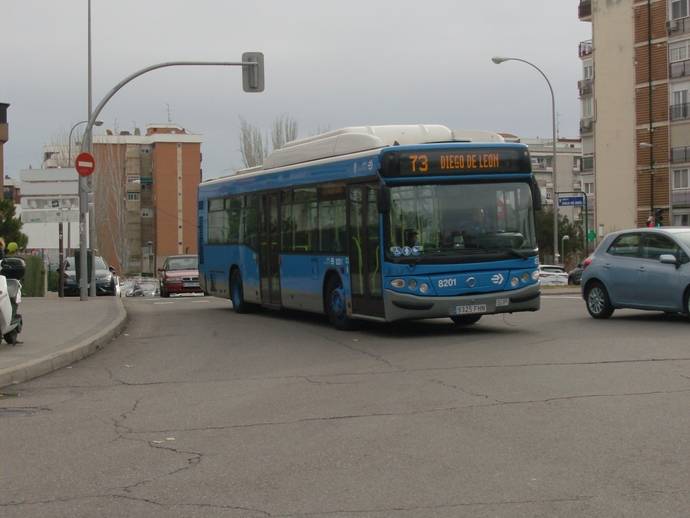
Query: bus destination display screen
pixel 443 162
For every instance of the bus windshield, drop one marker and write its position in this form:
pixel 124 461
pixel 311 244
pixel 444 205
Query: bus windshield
pixel 462 222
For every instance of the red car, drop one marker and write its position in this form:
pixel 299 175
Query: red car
pixel 180 274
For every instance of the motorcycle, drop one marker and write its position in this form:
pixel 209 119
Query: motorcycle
pixel 11 273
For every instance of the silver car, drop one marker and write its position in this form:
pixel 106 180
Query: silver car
pixel 642 268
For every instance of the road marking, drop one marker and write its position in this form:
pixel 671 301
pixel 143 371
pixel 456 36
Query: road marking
pixel 164 303
pixel 200 302
pixel 574 297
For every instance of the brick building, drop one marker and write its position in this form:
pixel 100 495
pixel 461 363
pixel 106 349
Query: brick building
pixel 146 196
pixel 635 123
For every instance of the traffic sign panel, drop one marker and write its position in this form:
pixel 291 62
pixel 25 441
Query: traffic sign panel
pixel 570 201
pixel 84 164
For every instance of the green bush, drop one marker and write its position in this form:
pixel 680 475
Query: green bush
pixel 33 283
pixel 53 279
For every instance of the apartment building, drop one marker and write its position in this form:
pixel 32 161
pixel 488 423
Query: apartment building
pixel 4 136
pixel 146 196
pixel 635 123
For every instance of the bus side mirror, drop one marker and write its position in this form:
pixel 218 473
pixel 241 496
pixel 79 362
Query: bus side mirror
pixel 384 199
pixel 536 194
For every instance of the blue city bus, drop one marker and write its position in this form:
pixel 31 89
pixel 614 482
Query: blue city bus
pixel 381 223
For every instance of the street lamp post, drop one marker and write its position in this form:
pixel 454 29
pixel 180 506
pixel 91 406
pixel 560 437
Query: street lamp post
pixel 563 240
pixel 498 60
pixel 69 145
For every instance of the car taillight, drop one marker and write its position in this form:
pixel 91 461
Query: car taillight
pixel 586 262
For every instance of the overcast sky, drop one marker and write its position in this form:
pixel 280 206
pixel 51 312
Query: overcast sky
pixel 328 64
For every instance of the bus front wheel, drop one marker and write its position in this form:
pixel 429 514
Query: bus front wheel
pixel 336 305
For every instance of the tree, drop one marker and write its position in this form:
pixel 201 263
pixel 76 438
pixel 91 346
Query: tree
pixel 544 224
pixel 10 226
pixel 254 146
pixel 284 130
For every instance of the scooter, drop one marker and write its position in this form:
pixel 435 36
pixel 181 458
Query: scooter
pixel 11 273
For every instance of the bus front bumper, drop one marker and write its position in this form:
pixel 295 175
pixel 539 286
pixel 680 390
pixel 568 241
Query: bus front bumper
pixel 402 306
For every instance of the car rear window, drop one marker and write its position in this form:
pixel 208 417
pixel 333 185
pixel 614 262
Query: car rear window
pixel 627 245
pixel 183 263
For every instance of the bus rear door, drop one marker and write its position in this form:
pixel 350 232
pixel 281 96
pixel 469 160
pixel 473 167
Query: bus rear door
pixel 269 250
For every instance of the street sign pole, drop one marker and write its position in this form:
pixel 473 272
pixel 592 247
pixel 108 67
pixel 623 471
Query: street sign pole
pixel 571 203
pixel 85 165
pixel 61 254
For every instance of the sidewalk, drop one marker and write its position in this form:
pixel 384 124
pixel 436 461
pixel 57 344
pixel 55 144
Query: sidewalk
pixel 58 332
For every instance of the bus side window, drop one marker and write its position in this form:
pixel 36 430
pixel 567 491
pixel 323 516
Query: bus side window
pixel 304 215
pixel 251 222
pixel 332 219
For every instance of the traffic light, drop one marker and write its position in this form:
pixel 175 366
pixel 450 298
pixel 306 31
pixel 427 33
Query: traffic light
pixel 253 75
pixel 659 217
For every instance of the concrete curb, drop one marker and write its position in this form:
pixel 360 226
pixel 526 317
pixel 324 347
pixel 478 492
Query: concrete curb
pixel 73 353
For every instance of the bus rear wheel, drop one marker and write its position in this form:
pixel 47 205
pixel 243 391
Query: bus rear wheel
pixel 239 305
pixel 465 320
pixel 336 305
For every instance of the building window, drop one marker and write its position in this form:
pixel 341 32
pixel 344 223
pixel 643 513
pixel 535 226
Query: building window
pixel 678 51
pixel 587 107
pixel 681 219
pixel 679 9
pixel 132 196
pixel 589 187
pixel 146 213
pixel 680 179
pixel 587 163
pixel 588 70
pixel 133 178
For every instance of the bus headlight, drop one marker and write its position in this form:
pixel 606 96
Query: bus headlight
pixel 412 284
pixel 424 287
pixel 524 277
pixel 535 275
pixel 398 283
pixel 514 282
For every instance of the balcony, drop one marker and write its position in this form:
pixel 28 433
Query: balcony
pixel 585 48
pixel 679 69
pixel 584 10
pixel 586 125
pixel 679 112
pixel 680 154
pixel 585 86
pixel 678 26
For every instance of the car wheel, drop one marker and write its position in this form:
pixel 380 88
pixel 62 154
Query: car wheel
pixel 11 337
pixel 686 304
pixel 336 305
pixel 164 292
pixel 239 305
pixel 465 320
pixel 598 302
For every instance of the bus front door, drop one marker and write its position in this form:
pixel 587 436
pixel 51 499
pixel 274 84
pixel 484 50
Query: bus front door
pixel 364 250
pixel 269 250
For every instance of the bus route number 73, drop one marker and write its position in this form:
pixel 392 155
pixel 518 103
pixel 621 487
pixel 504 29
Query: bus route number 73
pixel 419 163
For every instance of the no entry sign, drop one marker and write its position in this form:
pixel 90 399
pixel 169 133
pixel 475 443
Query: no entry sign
pixel 84 164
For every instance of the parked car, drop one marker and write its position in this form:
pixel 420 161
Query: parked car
pixel 179 274
pixel 640 268
pixel 107 282
pixel 552 275
pixel 575 275
pixel 140 287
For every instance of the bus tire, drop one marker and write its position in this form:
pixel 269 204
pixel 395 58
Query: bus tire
pixel 465 320
pixel 239 305
pixel 335 304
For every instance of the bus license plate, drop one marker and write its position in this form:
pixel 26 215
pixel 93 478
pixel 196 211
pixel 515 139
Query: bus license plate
pixel 469 309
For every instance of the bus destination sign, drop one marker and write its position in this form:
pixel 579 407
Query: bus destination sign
pixel 443 162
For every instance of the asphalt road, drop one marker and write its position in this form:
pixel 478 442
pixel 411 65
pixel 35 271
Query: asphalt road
pixel 196 411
